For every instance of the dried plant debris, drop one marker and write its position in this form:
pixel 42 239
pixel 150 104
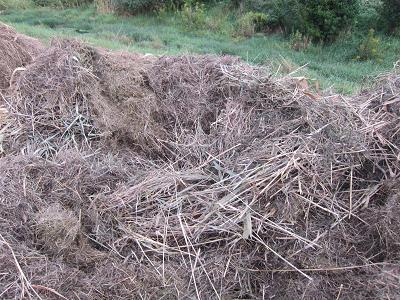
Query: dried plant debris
pixel 16 51
pixel 125 176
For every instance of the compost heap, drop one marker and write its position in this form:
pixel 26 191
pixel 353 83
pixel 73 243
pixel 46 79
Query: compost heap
pixel 16 51
pixel 125 176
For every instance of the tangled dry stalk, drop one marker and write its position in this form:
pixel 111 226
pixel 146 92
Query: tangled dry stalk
pixel 133 177
pixel 16 51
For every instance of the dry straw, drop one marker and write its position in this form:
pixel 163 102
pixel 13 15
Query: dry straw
pixel 16 51
pixel 136 177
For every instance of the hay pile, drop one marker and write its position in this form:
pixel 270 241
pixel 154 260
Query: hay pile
pixel 16 51
pixel 135 177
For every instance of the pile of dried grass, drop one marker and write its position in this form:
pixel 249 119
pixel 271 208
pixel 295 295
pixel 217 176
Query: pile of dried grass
pixel 237 210
pixel 124 92
pixel 384 101
pixel 222 182
pixel 49 98
pixel 16 51
pixel 83 90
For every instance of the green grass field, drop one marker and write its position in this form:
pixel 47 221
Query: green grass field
pixel 331 65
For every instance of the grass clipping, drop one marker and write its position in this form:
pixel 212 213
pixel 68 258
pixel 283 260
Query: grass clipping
pixel 195 177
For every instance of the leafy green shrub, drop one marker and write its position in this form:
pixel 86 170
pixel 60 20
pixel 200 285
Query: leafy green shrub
pixel 369 15
pixel 298 41
pixel 321 20
pixel 390 15
pixel 287 15
pixel 325 19
pixel 193 15
pixel 250 23
pixel 369 48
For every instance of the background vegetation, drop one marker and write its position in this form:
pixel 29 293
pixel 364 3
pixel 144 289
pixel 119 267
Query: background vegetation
pixel 339 44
